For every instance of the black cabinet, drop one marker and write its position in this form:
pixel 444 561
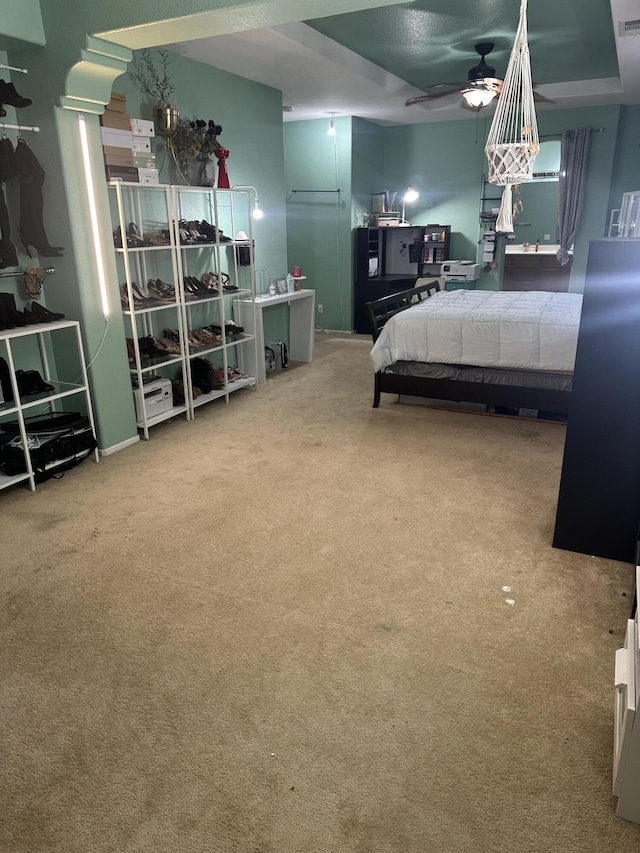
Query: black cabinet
pixel 599 500
pixel 535 271
pixel 388 260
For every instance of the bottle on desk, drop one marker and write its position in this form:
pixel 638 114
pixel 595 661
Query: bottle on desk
pixel 290 283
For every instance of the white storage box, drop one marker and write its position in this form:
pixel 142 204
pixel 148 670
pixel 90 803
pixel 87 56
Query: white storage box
pixel 158 398
pixel 140 127
pixel 143 160
pixel 148 176
pixel 141 144
pixel 116 138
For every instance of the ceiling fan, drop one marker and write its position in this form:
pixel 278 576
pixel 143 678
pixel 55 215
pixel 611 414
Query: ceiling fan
pixel 481 87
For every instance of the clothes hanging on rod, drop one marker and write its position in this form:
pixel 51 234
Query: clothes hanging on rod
pixel 31 178
pixel 8 171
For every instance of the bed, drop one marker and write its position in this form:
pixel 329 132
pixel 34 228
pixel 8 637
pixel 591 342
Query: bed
pixel 513 350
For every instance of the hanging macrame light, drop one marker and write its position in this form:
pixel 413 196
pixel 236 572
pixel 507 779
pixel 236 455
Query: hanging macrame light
pixel 513 143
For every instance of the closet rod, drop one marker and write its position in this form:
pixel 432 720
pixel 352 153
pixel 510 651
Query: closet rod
pixel 19 127
pixel 316 191
pixel 47 271
pixel 15 68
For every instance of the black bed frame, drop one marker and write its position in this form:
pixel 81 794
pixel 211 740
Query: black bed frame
pixel 507 396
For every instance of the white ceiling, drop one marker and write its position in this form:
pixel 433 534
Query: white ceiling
pixel 318 76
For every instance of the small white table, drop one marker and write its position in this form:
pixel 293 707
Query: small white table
pixel 302 304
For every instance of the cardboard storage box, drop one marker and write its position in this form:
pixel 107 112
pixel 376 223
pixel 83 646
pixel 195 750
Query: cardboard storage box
pixel 122 173
pixel 140 144
pixel 114 156
pixel 140 127
pixel 118 103
pixel 117 120
pixel 148 176
pixel 115 138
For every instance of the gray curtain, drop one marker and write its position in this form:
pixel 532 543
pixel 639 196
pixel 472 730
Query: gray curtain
pixel 574 153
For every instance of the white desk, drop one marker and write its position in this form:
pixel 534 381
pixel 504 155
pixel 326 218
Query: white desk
pixel 302 305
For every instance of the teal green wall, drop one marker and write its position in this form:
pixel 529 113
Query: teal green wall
pixel 319 224
pixel 367 167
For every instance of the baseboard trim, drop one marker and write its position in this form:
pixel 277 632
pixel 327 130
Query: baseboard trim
pixel 107 451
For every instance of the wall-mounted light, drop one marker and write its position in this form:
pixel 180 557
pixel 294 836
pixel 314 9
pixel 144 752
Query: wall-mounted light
pixel 93 213
pixel 332 126
pixel 409 197
pixel 479 97
pixel 257 212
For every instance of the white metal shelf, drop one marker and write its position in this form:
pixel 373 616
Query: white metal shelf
pixel 45 336
pixel 162 207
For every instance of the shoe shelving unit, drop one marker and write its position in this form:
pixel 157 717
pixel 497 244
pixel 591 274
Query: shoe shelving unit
pixel 151 208
pixel 229 212
pixel 147 219
pixel 58 354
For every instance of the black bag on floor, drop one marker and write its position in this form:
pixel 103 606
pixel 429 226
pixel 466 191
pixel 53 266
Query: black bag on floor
pixel 57 442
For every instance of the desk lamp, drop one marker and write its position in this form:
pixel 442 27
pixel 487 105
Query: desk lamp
pixel 409 197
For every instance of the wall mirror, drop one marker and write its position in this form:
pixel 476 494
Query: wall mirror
pixel 539 197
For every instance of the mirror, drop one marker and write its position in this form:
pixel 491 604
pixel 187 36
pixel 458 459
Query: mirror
pixel 539 198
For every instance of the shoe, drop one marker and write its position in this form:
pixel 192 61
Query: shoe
pixel 47 316
pixel 8 95
pixel 161 290
pixel 134 240
pixel 170 347
pixel 11 313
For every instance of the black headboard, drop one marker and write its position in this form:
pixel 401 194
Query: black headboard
pixel 382 309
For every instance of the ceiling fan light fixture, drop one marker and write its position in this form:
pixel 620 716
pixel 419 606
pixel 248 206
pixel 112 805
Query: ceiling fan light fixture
pixel 478 98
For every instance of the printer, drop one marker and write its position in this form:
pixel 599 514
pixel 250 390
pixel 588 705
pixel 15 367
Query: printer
pixel 158 397
pixel 460 271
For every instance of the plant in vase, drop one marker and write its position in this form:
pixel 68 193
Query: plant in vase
pixel 152 77
pixel 195 141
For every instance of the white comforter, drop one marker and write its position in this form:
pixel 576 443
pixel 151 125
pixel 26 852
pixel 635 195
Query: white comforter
pixel 510 329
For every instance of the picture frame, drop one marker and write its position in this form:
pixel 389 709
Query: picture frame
pixel 281 285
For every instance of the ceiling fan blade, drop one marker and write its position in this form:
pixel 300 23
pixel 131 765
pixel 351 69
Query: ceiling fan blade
pixel 421 99
pixel 453 86
pixel 541 99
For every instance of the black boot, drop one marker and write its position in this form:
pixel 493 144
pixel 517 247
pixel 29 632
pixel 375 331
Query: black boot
pixel 11 313
pixel 31 177
pixel 5 322
pixel 43 314
pixel 8 95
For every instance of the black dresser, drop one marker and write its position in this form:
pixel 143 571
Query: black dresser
pixel 599 500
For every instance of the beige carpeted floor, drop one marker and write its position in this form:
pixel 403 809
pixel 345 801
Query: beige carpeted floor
pixel 284 628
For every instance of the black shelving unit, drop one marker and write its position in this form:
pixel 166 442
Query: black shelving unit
pixel 388 260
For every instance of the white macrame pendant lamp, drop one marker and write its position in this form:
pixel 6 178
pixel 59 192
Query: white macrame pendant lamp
pixel 513 142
